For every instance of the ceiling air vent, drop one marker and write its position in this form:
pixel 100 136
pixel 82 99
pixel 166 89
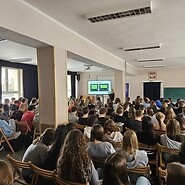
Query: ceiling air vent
pixel 126 11
pixel 151 60
pixel 143 48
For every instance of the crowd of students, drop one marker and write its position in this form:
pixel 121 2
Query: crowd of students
pixel 70 151
pixel 17 119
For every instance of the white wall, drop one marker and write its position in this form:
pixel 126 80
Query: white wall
pixel 170 77
pixel 25 19
pixel 102 75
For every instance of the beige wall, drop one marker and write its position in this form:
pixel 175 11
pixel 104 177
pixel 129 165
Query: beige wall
pixel 170 77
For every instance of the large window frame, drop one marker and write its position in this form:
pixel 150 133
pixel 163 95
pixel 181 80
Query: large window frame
pixel 5 80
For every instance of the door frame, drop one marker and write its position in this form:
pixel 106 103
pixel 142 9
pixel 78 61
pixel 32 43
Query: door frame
pixel 161 87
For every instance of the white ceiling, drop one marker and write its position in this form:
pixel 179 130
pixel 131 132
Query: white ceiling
pixel 165 25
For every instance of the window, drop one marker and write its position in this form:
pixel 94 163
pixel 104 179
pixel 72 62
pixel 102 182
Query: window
pixel 11 83
pixel 68 86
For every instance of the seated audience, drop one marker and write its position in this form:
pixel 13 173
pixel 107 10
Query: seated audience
pixel 101 118
pixel 17 115
pixel 171 138
pixel 146 102
pixel 136 124
pixel 134 156
pixel 175 174
pixel 74 163
pixel 53 152
pixel 36 152
pixel 98 104
pixel 6 174
pixel 150 113
pixel 111 131
pixel 27 133
pixel 181 119
pixel 6 106
pixel 91 106
pixel 160 122
pixel 9 129
pixel 147 135
pixel 72 116
pixel 169 114
pixel 83 120
pixel 182 153
pixel 28 117
pixel 92 119
pixel 118 117
pixel 110 109
pixel 115 171
pixel 97 147
pixel 3 116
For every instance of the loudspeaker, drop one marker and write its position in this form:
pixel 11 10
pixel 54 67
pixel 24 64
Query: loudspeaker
pixel 78 77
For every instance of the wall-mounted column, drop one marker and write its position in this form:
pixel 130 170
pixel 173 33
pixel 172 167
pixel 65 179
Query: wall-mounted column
pixel 52 80
pixel 120 85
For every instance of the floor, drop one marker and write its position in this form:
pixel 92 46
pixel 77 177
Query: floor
pixel 18 155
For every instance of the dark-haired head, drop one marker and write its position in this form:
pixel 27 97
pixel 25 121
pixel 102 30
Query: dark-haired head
pixel 115 170
pixel 147 125
pixel 175 174
pixel 181 119
pixel 46 137
pixel 92 119
pixel 59 137
pixel 97 132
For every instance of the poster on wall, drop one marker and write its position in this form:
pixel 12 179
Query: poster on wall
pixel 126 90
pixel 152 75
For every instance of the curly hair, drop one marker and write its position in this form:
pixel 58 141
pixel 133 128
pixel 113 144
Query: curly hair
pixel 74 163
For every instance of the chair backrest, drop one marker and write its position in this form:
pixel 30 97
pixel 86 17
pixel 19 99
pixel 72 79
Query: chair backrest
pixel 39 172
pixel 117 145
pixel 37 129
pixel 17 166
pixel 141 170
pixel 98 162
pixel 164 150
pixel 3 139
pixel 59 181
pixel 162 176
pixel 159 132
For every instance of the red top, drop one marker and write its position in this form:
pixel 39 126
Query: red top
pixel 28 117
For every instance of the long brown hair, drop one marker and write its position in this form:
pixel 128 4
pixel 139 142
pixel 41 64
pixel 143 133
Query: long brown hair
pixel 6 174
pixel 115 170
pixel 175 174
pixel 173 129
pixel 74 163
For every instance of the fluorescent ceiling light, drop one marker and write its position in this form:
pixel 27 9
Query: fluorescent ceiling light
pixel 154 66
pixel 151 60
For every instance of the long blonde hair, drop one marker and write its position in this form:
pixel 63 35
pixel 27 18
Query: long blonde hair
pixel 130 142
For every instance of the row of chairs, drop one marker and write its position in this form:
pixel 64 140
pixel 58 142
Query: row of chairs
pixel 159 161
pixel 37 173
pixel 5 139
